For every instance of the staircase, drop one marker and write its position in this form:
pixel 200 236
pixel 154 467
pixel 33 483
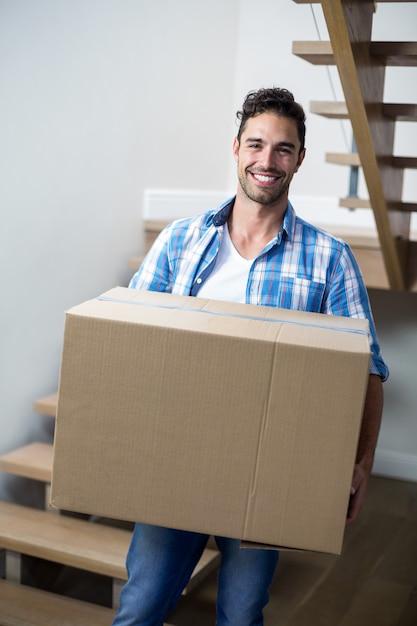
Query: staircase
pixel 361 64
pixel 78 541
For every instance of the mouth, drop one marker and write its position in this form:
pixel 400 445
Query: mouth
pixel 265 179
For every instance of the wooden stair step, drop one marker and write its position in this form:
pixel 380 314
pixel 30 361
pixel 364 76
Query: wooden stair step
pixel 329 109
pixel 77 543
pixel 340 158
pixel 352 159
pixel 63 539
pixel 33 460
pixel 393 53
pixel 406 207
pixel 400 112
pixel 319 1
pixel 409 163
pixel 21 605
pixel 314 52
pixel 46 405
pixel 351 202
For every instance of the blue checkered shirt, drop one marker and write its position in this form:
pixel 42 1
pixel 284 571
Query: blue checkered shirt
pixel 302 268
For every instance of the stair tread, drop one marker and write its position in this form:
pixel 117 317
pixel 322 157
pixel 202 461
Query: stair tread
pixel 396 53
pixel 316 52
pixel 405 162
pixel 341 158
pixel 338 110
pixel 402 112
pixel 78 543
pixel 352 202
pixel 46 405
pixel 63 539
pixel 364 203
pixel 407 207
pixel 33 460
pixel 330 109
pixel 319 1
pixel 21 605
pixel 393 53
pixel 352 159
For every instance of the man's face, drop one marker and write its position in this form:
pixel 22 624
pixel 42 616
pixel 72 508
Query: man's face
pixel 267 157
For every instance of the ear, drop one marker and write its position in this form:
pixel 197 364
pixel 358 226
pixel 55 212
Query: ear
pixel 236 149
pixel 300 159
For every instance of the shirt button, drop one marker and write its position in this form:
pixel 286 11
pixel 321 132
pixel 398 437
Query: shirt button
pixel 199 281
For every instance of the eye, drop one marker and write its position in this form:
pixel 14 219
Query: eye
pixel 285 150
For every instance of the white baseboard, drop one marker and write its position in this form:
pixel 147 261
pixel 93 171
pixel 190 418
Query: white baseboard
pixel 392 464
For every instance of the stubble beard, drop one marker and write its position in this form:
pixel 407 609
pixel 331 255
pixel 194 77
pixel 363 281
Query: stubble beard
pixel 263 196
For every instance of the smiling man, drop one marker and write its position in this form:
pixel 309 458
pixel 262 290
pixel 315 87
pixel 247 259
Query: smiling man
pixel 253 249
pixel 268 151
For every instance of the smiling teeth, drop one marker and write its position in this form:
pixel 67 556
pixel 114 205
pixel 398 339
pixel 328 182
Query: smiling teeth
pixel 264 179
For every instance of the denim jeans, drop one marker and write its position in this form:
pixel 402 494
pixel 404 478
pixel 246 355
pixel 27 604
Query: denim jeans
pixel 160 562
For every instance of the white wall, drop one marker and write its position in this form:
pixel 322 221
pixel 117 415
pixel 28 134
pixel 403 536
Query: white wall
pixel 100 99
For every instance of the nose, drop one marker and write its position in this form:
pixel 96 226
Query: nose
pixel 267 161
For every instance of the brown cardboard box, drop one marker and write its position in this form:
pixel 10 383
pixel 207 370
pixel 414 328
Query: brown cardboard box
pixel 210 416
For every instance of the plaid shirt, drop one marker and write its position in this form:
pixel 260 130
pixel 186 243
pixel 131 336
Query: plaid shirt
pixel 302 268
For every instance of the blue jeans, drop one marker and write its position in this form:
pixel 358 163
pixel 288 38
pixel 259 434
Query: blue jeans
pixel 160 562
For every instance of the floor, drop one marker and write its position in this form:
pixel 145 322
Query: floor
pixel 373 582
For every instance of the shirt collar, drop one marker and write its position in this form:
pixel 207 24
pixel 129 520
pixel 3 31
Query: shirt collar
pixel 222 214
pixel 288 224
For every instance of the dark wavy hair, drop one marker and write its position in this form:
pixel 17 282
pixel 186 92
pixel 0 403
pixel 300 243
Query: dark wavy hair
pixel 273 100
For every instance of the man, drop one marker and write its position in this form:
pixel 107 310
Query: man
pixel 252 249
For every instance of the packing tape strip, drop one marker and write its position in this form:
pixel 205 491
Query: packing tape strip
pixel 356 331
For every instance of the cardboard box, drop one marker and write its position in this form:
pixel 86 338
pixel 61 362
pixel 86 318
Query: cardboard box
pixel 210 416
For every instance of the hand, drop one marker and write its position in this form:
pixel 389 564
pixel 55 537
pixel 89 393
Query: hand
pixel 357 493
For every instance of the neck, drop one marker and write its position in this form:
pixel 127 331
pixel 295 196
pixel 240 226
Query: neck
pixel 255 219
pixel 252 226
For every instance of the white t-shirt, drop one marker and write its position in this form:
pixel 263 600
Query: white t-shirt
pixel 229 278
